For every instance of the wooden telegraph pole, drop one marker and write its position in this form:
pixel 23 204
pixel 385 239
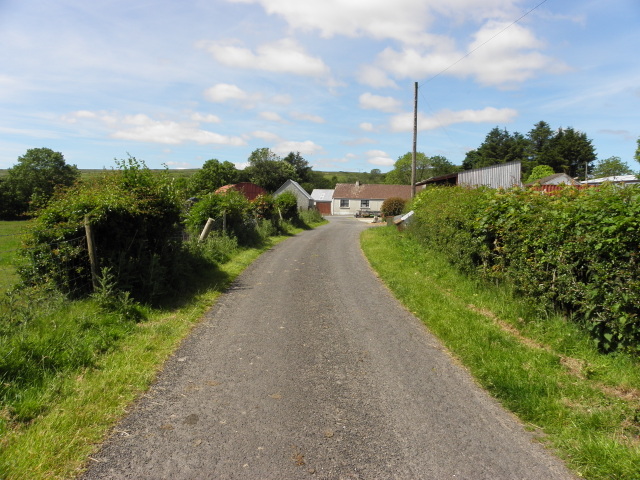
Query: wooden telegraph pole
pixel 415 140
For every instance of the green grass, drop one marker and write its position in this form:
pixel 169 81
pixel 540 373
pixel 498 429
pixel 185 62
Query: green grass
pixel 542 368
pixel 54 419
pixel 11 235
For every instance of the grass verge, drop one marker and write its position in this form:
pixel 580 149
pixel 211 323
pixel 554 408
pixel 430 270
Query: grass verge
pixel 544 369
pixel 11 236
pixel 85 404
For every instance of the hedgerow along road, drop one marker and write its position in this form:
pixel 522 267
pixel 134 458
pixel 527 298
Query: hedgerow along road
pixel 309 368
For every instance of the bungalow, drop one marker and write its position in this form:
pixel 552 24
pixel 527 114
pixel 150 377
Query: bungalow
pixel 352 199
pixel 305 202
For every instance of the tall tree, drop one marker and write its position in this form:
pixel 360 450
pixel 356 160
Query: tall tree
pixel 36 176
pixel 426 167
pixel 637 154
pixel 268 170
pixel 576 151
pixel 499 146
pixel 611 167
pixel 300 166
pixel 213 175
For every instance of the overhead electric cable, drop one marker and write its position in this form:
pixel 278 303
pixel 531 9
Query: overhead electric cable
pixel 486 41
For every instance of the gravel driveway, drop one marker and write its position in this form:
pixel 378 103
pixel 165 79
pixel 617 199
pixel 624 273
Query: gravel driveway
pixel 309 368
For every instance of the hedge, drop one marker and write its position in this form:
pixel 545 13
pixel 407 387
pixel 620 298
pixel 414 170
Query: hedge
pixel 573 250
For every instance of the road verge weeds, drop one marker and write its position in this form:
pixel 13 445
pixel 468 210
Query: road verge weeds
pixel 546 370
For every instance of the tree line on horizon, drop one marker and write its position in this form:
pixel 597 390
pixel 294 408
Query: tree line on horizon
pixel 30 183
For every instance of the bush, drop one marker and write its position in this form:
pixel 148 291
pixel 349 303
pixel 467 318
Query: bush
pixel 392 206
pixel 136 221
pixel 576 250
pixel 287 204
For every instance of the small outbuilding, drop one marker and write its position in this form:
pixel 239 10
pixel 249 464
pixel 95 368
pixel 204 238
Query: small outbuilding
pixel 249 190
pixel 305 202
pixel 322 199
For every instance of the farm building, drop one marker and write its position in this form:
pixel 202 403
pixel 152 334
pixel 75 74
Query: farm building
pixel 502 175
pixel 357 198
pixel 322 199
pixel 249 190
pixel 305 202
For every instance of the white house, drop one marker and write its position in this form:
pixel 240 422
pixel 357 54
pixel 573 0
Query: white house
pixel 349 198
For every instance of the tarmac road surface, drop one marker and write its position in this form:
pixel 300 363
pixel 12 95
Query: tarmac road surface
pixel 308 368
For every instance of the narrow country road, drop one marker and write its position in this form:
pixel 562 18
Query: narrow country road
pixel 309 368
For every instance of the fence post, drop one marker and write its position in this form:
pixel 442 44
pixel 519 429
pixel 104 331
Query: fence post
pixel 92 253
pixel 206 230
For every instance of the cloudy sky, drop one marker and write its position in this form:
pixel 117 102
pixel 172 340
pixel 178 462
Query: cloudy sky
pixel 180 82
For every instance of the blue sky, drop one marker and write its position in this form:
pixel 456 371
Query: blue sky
pixel 178 83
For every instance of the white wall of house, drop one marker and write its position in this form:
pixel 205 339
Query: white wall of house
pixel 354 206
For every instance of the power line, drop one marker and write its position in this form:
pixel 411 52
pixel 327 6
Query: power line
pixel 486 41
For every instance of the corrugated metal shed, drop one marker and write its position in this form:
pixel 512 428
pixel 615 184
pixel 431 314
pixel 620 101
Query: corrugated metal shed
pixel 249 190
pixel 503 175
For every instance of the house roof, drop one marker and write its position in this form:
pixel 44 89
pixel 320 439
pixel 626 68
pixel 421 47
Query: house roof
pixel 322 195
pixel 295 185
pixel 371 191
pixel 554 179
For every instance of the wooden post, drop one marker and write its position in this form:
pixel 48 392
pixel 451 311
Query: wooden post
pixel 224 221
pixel 92 253
pixel 415 138
pixel 206 230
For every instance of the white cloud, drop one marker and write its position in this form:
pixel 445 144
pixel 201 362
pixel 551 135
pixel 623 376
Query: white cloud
pixel 496 56
pixel 267 136
pixel 379 157
pixel 272 117
pixel 308 117
pixel 305 148
pixel 283 56
pixel 366 126
pixel 375 77
pixel 142 128
pixel 404 122
pixel 403 20
pixel 205 118
pixel 223 92
pixel 376 102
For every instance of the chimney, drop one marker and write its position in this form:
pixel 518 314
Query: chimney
pixel 357 183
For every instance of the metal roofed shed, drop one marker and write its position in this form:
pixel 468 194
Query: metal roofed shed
pixel 501 175
pixel 322 199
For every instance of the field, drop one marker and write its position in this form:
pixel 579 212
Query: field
pixel 10 239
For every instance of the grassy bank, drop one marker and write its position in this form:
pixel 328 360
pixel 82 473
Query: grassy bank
pixel 585 405
pixel 79 407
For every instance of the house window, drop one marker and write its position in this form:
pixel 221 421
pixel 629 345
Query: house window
pixel 364 203
pixel 344 203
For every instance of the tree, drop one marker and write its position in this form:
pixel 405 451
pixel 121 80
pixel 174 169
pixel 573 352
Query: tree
pixel 300 166
pixel 540 171
pixel 576 152
pixel 268 170
pixel 34 179
pixel 213 175
pixel 541 149
pixel 611 167
pixel 426 167
pixel 499 146
pixel 637 154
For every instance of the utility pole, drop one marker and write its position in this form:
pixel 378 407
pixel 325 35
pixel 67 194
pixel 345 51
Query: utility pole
pixel 415 140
